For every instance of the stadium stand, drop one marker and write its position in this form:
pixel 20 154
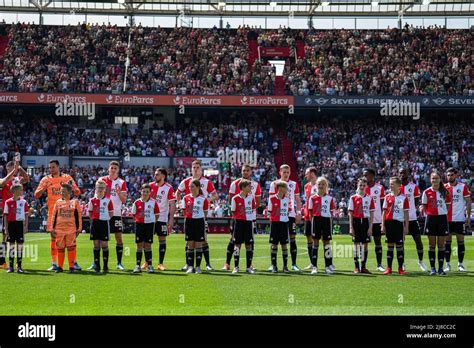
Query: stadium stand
pixel 91 59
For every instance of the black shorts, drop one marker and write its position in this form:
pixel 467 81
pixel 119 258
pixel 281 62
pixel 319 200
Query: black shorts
pixel 243 232
pixel 292 226
pixel 279 232
pixel 414 228
pixel 232 227
pixel 15 232
pixel 456 227
pixel 194 230
pixel 144 232
pixel 361 228
pixel 436 225
pixel 307 228
pixel 100 230
pixel 321 228
pixel 116 224
pixel 161 229
pixel 393 231
pixel 376 230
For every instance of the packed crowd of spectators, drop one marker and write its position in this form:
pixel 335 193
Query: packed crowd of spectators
pixel 89 59
pixel 340 149
pixel 191 136
pixel 413 61
pixel 92 58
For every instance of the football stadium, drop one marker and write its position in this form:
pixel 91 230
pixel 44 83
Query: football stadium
pixel 236 158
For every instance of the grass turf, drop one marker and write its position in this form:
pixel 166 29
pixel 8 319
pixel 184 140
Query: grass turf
pixel 172 292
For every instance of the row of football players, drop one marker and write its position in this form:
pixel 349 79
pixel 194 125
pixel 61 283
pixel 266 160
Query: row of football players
pixel 399 217
pixel 372 213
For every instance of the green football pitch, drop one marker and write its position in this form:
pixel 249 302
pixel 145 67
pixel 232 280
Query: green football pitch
pixel 172 292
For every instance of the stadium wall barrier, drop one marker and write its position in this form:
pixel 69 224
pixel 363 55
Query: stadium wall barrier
pixel 166 162
pixel 128 161
pixel 146 100
pixel 102 161
pixel 85 161
pixel 39 161
pixel 241 101
pixel 376 101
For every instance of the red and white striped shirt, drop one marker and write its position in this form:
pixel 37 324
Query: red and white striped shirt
pixel 293 190
pixel 207 186
pixel 457 209
pixel 279 209
pixel 99 208
pixel 411 191
pixel 111 186
pixel 163 194
pixel 194 207
pixel 145 212
pixel 256 190
pixel 15 210
pixel 377 192
pixel 361 206
pixel 309 190
pixel 235 189
pixel 6 194
pixel 395 206
pixel 243 208
pixel 434 203
pixel 321 206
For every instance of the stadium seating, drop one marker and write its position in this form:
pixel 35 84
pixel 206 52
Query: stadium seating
pixel 341 148
pixel 91 59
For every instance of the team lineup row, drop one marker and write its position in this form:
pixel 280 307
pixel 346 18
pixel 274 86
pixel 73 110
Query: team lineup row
pixel 372 213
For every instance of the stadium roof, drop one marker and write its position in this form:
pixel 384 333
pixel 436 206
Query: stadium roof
pixel 248 8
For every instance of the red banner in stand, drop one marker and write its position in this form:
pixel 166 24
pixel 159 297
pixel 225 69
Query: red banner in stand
pixel 145 99
pixel 272 52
